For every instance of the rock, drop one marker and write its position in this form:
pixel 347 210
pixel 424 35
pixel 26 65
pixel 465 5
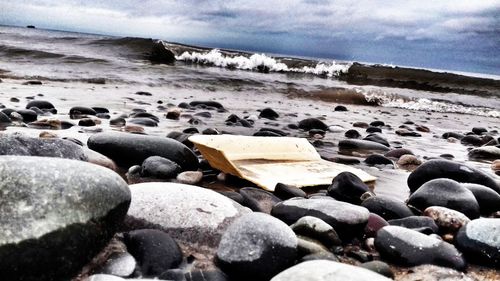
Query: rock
pixel 307 246
pixel 209 104
pixel 4 119
pixel 408 248
pixel 363 125
pixel 190 177
pixel 454 135
pixel 323 270
pixel 485 153
pixel 398 152
pixel 235 196
pixel 320 256
pixel 340 108
pixel 104 277
pixel 352 134
pixel 377 138
pixel 134 129
pixel 375 223
pixel 129 149
pixel 445 193
pixel 471 140
pixel 479 130
pixel 373 130
pixel 154 250
pixel 269 113
pixel 143 121
pixel 312 123
pixel 348 220
pixel 495 166
pixel 54 221
pixel 86 122
pixel 377 123
pixel 448 220
pixel 159 168
pixel 205 275
pixel 379 267
pixel 317 229
pixel 417 223
pixel 201 215
pixel 28 115
pixel 362 145
pixel 422 128
pixel 387 207
pixel 119 264
pixel 408 162
pixel 345 160
pixel 440 168
pixel 285 192
pixel 42 104
pixel 161 54
pixel 258 200
pixel 256 247
pixel 479 241
pixel 119 122
pixel 488 199
pixel 377 159
pixel 77 111
pixel 430 272
pixel 347 187
pixel 407 133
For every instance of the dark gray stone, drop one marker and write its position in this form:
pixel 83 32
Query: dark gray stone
pixel 258 199
pixel 312 123
pixel 159 167
pixel 361 145
pixel 348 187
pixel 387 207
pixel 488 199
pixel 416 222
pixel 479 241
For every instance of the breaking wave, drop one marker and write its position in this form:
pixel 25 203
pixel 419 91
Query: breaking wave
pixel 261 62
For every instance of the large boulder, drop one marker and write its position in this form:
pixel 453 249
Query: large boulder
pixel 55 215
pixel 132 149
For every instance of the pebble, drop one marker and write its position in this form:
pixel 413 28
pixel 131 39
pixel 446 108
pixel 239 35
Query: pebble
pixel 377 138
pixel 379 267
pixel 159 168
pixel 409 248
pixel 377 159
pixel 77 111
pixel 312 123
pixel 324 270
pixel 206 104
pixel 448 220
pixel 285 192
pixel 484 153
pixel 375 223
pixel 340 108
pixel 352 134
pixel 258 200
pixel 269 113
pixel 387 207
pixel 430 272
pixel 408 162
pixel 42 104
pixel 256 246
pixel 307 246
pixel 119 264
pixel 363 145
pixel 398 152
pixel 190 177
pixel 417 223
pixel 347 187
pixel 445 193
pixel 488 199
pixel 317 229
pixel 479 241
pixel 28 115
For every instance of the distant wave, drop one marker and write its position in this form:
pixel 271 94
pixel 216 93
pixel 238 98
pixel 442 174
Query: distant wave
pixel 11 51
pixel 260 62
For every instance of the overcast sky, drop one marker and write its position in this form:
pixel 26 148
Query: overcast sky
pixel 451 32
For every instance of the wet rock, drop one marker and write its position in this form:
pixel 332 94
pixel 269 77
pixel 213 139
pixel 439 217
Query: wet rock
pixel 134 129
pixel 159 168
pixel 448 220
pixel 54 221
pixel 422 128
pixel 379 267
pixel 363 145
pixel 352 134
pixel 154 250
pixel 373 130
pixel 407 133
pixel 28 115
pixel 235 196
pixel 471 140
pixel 454 135
pixel 408 162
pixel 258 200
pixel 77 111
pixel 307 246
pixel 42 104
pixel 285 192
pixel 209 104
pixel 4 119
pixel 145 115
pixel 377 159
pixel 86 122
pixel 417 223
pixel 119 264
pixel 429 272
pixel 347 187
pixel 161 54
pixel 129 149
pixel 323 270
pixel 340 108
pixel 312 123
pixel 317 229
pixel 192 215
pixel 269 113
pixel 375 223
pixel 104 277
pixel 485 153
pixel 363 125
pixel 408 248
pixel 345 160
pixel 205 275
pixel 488 199
pixel 377 123
pixel 190 177
pixel 272 130
pixel 210 131
pixel 479 130
pixel 387 207
pixel 479 241
pixel 348 220
pixel 119 122
pixel 377 138
pixel 256 247
pixel 495 166
pixel 320 256
pixel 440 168
pixel 143 121
pixel 445 193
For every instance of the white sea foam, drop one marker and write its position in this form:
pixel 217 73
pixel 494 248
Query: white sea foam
pixel 259 61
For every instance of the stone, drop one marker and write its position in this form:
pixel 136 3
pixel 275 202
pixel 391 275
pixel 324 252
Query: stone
pixel 129 149
pixel 417 223
pixel 154 250
pixel 488 199
pixel 86 122
pixel 373 130
pixel 269 113
pixel 398 152
pixel 430 272
pixel 320 256
pixel 118 122
pixel 104 277
pixel 56 215
pixel 256 247
pixel 361 145
pixel 205 275
pixel 377 138
pixel 348 220
pixel 312 123
pixel 192 215
pixel 409 248
pixel 348 187
pixel 78 111
pixel 352 134
pixel 143 121
pixel 317 229
pixel 119 264
pixel 307 246
pixel 377 123
pixel 479 241
pixel 42 104
pixel 340 108
pixel 471 140
pixel 235 196
pixel 209 104
pixel 190 177
pixel 28 115
pixel 140 115
pixel 159 168
pixel 363 125
pixel 408 162
pixel 285 192
pixel 440 168
pixel 258 199
pixel 375 223
pixel 484 153
pixel 379 267
pixel 448 220
pixel 454 135
pixel 377 159
pixel 479 130
pixel 407 133
pixel 324 270
pixel 4 119
pixel 387 207
pixel 445 193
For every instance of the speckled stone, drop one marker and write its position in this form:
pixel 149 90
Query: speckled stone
pixel 430 272
pixel 479 240
pixel 256 247
pixel 323 270
pixel 55 215
pixel 448 220
pixel 119 264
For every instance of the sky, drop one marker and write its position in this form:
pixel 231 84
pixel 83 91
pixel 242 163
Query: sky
pixel 445 34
